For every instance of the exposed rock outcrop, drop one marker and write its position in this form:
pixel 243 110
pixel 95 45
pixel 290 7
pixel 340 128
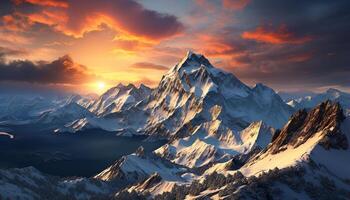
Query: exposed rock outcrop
pixel 325 118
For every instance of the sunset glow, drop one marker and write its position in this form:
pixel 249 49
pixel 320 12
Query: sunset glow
pixel 101 86
pixel 136 42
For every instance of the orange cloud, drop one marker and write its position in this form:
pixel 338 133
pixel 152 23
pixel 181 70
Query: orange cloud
pixel 235 4
pixel 280 36
pixel 49 17
pixel 212 45
pixel 16 22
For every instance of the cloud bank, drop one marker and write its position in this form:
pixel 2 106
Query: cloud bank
pixel 60 71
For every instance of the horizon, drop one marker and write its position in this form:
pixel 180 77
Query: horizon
pixel 48 45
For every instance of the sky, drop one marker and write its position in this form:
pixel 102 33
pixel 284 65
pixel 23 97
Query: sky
pixel 87 46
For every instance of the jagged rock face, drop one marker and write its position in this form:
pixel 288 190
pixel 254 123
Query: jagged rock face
pixel 326 117
pixel 150 182
pixel 140 152
pixel 239 160
pixel 113 172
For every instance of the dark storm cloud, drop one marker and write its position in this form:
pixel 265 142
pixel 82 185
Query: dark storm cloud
pixel 313 49
pixel 60 71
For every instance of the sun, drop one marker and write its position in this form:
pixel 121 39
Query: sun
pixel 101 85
pixel 97 87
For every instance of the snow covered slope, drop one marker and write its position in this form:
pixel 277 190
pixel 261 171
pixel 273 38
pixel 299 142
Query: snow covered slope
pixel 321 135
pixel 85 100
pixel 119 98
pixel 211 142
pixel 137 166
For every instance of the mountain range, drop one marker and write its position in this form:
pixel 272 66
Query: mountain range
pixel 226 140
pixel 310 101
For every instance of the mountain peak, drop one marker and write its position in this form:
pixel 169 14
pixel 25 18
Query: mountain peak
pixel 334 93
pixel 325 118
pixel 120 85
pixel 191 53
pixel 144 87
pixel 261 87
pixel 332 90
pixel 192 61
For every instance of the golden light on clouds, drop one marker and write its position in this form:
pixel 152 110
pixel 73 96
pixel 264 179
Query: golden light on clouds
pixel 133 41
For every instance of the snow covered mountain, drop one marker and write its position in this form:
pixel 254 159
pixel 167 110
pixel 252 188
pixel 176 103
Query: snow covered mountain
pixel 308 159
pixel 35 109
pixel 189 95
pixel 331 94
pixel 192 93
pixel 119 98
pixel 18 108
pixel 111 111
pixel 62 115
